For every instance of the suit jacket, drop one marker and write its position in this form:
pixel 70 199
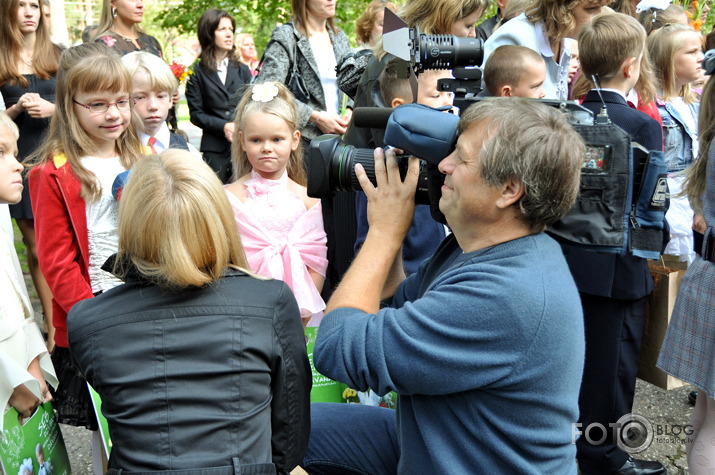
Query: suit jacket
pixel 612 275
pixel 276 66
pixel 213 103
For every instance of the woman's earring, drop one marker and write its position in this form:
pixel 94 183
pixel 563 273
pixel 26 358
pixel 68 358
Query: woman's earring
pixel 114 12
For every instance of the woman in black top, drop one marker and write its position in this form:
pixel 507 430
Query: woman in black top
pixel 211 90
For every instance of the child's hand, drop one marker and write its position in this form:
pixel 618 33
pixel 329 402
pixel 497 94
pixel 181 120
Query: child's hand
pixel 228 130
pixel 36 372
pixel 24 401
pixel 331 123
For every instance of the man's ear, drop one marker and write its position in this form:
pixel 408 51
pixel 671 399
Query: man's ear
pixel 511 191
pixel 627 67
pixel 505 91
pixel 396 102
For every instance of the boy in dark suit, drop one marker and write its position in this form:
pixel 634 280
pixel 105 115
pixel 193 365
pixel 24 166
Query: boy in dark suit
pixel 613 288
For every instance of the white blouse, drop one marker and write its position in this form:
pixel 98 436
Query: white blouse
pixel 20 339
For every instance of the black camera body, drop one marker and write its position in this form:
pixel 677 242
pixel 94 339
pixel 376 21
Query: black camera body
pixel 418 130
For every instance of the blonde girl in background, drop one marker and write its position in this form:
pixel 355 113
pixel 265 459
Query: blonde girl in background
pixel 89 143
pixel 676 53
pixel 655 14
pixel 280 226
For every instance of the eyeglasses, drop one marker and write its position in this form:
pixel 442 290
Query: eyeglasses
pixel 102 107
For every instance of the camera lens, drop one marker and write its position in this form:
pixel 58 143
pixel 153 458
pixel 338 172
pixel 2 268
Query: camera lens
pixel 446 51
pixel 331 167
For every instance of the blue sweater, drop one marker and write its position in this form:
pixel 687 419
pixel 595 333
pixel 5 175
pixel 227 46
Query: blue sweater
pixel 486 352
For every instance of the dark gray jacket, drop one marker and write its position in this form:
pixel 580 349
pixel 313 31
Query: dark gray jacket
pixel 200 378
pixel 276 66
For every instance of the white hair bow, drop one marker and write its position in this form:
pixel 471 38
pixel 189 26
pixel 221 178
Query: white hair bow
pixel 648 4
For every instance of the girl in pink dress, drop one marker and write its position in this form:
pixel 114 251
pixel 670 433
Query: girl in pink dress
pixel 281 227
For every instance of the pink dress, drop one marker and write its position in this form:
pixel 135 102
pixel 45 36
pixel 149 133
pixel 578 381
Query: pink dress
pixel 282 238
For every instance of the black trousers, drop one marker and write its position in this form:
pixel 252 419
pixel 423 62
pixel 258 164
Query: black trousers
pixel 613 338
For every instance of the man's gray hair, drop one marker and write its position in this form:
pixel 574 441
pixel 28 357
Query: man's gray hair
pixel 535 145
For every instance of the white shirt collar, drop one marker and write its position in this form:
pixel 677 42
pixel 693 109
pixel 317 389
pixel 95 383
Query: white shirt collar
pixel 163 138
pixel 619 92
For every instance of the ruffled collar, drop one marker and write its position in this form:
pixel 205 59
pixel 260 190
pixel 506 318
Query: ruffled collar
pixel 258 186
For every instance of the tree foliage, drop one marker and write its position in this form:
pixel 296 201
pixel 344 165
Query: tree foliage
pixel 258 17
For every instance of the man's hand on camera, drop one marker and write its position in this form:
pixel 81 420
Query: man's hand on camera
pixel 391 204
pixel 377 271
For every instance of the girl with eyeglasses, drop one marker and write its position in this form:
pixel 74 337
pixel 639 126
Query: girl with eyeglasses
pixel 90 141
pixel 27 86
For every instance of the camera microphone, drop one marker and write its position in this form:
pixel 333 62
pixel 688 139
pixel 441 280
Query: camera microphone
pixel 371 117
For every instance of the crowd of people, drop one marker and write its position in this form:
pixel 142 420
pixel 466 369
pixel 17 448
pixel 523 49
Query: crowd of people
pixel 179 282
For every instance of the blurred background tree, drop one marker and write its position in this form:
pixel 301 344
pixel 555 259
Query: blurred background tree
pixel 257 17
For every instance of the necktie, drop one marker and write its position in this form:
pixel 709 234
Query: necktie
pixel 152 141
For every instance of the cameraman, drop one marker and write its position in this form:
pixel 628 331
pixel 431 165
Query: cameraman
pixel 484 344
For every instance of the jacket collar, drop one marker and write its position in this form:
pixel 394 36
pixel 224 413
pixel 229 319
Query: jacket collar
pixel 608 97
pixel 126 271
pixel 59 160
pixel 306 51
pixel 231 77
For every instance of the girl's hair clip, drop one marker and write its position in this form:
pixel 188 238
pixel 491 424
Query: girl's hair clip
pixel 655 4
pixel 709 62
pixel 264 92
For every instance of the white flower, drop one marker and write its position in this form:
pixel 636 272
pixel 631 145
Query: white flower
pixel 264 92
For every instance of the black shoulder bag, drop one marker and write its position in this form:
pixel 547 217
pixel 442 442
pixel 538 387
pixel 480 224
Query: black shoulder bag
pixel 294 81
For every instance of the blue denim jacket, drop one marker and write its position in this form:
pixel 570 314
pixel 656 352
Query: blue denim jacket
pixel 677 136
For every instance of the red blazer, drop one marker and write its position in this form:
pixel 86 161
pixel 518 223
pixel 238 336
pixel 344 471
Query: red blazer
pixel 62 241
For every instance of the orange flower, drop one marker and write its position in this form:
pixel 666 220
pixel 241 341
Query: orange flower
pixel 697 24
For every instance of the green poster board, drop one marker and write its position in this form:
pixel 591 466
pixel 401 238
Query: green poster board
pixel 324 388
pixel 327 390
pixel 20 444
pixel 103 426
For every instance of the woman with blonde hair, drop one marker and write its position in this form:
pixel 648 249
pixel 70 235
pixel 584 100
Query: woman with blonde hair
pixel 120 29
pixel 192 321
pixel 246 52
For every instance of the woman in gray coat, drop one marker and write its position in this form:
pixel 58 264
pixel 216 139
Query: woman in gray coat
pixel 313 43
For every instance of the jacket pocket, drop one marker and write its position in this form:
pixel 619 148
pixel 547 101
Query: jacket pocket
pixel 673 145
